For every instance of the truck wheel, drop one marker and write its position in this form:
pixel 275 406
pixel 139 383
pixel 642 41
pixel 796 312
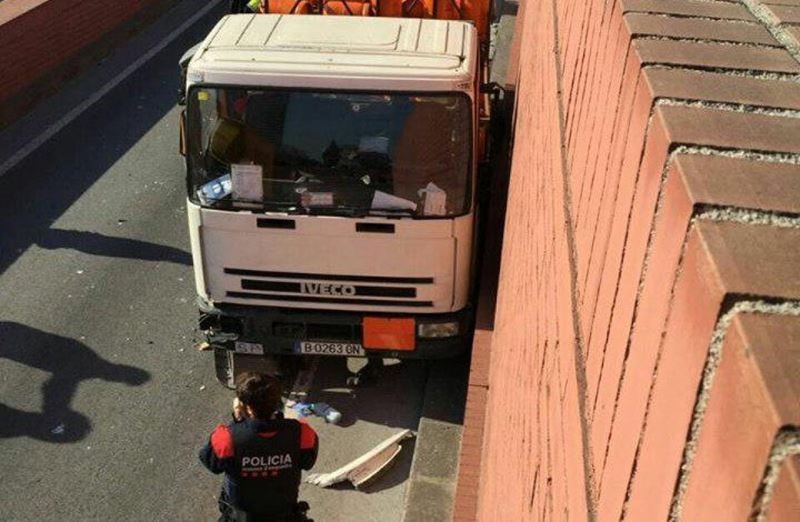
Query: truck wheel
pixel 367 375
pixel 223 367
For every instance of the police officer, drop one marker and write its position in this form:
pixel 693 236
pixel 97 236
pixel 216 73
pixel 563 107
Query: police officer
pixel 261 453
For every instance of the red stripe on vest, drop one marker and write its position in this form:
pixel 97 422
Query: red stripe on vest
pixel 308 437
pixel 222 442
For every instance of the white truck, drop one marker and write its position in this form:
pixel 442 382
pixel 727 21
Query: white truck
pixel 332 174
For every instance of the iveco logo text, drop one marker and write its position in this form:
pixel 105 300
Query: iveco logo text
pixel 327 289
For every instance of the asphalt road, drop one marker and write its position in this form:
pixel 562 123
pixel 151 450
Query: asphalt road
pixel 103 400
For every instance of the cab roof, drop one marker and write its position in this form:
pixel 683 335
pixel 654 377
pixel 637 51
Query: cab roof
pixel 338 47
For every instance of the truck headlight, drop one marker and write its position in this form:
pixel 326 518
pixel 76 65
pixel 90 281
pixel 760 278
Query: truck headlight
pixel 438 330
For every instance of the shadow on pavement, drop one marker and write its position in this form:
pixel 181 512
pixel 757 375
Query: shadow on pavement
pixel 102 245
pixel 386 401
pixel 69 362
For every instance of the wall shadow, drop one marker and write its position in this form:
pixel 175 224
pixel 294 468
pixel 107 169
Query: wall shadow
pixel 494 194
pixel 98 244
pixel 505 7
pixel 69 363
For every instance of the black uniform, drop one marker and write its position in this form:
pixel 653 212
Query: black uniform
pixel 262 461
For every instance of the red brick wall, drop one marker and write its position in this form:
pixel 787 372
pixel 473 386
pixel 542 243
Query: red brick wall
pixel 43 40
pixel 646 354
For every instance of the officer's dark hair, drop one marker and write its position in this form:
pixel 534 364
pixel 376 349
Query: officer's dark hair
pixel 261 392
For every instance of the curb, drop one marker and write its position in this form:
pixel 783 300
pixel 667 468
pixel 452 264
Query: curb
pixel 434 469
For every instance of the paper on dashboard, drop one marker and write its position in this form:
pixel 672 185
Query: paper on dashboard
pixel 435 200
pixel 246 182
pixel 388 201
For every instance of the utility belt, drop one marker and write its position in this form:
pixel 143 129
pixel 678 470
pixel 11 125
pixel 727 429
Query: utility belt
pixel 297 514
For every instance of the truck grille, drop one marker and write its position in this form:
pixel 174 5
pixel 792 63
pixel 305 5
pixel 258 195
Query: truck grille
pixel 330 277
pixel 317 331
pixel 306 288
pixel 328 288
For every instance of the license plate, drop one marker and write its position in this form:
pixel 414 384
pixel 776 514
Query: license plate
pixel 338 349
pixel 248 348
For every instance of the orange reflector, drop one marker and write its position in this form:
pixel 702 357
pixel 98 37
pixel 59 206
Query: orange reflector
pixel 384 333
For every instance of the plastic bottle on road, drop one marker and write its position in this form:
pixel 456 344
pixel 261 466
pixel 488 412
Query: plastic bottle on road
pixel 330 414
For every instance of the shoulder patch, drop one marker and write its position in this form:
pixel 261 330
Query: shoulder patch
pixel 308 437
pixel 222 442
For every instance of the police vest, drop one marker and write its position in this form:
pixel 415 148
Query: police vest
pixel 267 470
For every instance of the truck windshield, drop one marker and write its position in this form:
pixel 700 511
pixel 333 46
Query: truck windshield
pixel 329 152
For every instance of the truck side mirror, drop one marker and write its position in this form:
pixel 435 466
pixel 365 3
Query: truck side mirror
pixel 182 145
pixel 183 65
pixel 492 88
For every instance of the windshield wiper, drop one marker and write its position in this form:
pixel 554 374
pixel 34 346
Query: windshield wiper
pixel 337 211
pixel 403 211
pixel 359 211
pixel 280 206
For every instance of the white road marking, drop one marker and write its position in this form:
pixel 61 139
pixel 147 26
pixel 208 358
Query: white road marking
pixel 76 111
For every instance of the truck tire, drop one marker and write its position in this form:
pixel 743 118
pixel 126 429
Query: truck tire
pixel 223 367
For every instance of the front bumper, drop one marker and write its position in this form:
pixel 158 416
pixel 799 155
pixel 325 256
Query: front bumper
pixel 281 330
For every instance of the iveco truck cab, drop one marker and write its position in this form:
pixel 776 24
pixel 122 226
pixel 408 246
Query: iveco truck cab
pixel 332 172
